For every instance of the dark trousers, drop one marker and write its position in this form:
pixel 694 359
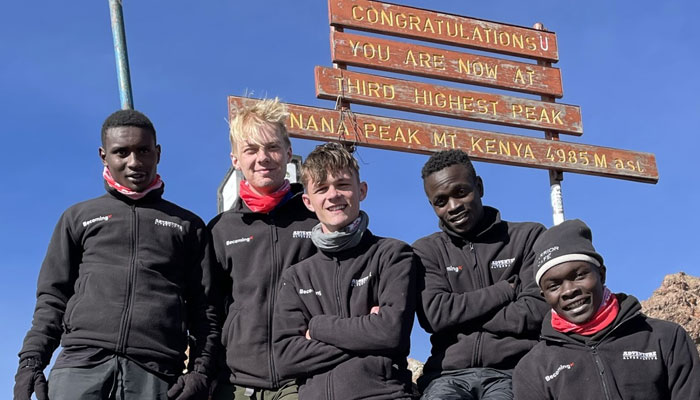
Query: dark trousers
pixel 471 384
pixel 115 379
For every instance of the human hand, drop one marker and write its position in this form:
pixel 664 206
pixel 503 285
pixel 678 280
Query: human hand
pixel 374 310
pixel 308 335
pixel 191 386
pixel 30 379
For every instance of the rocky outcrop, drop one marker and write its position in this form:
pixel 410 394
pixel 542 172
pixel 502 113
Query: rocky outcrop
pixel 677 300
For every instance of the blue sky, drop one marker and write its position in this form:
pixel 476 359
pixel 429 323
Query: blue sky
pixel 631 69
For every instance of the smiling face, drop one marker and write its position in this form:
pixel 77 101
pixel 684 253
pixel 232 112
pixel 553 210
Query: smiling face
pixel 455 194
pixel 131 155
pixel 336 201
pixel 264 161
pixel 574 290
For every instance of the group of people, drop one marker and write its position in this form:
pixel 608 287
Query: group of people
pixel 289 294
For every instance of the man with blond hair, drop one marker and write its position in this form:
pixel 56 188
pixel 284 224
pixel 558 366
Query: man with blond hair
pixel 267 230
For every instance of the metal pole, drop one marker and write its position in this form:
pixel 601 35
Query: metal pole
pixel 120 54
pixel 555 176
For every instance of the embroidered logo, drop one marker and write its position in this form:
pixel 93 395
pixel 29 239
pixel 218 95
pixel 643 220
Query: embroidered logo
pixel 559 369
pixel 639 355
pixel 301 234
pixel 310 291
pixel 169 224
pixel 546 255
pixel 498 264
pixel 241 240
pixel 360 282
pixel 454 269
pixel 98 219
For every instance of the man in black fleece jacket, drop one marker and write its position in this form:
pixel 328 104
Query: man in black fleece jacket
pixel 344 316
pixel 122 285
pixel 596 344
pixel 267 230
pixel 477 295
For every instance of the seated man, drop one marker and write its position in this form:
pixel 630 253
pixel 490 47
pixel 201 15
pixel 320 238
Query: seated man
pixel 343 317
pixel 478 297
pixel 123 283
pixel 596 344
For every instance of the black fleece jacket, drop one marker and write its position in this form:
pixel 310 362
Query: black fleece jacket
pixel 635 357
pixel 252 249
pixel 466 302
pixel 352 354
pixel 127 276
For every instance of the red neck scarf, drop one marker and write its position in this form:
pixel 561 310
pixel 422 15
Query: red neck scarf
pixel 262 203
pixel 603 317
pixel 156 184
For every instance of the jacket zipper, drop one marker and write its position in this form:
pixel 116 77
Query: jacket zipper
pixel 126 315
pixel 477 343
pixel 601 371
pixel 337 288
pixel 271 304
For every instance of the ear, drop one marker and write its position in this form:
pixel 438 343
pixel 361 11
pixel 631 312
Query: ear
pixel 158 152
pixel 234 161
pixel 307 202
pixel 363 190
pixel 103 155
pixel 289 155
pixel 479 186
pixel 602 274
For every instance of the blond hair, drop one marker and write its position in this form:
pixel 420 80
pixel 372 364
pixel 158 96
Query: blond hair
pixel 329 158
pixel 248 120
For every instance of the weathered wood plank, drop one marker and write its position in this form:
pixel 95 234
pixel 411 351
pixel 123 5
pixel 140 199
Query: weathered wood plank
pixel 432 62
pixel 424 138
pixel 434 26
pixel 446 101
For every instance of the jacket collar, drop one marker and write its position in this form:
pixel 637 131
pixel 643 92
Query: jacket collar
pixel 153 195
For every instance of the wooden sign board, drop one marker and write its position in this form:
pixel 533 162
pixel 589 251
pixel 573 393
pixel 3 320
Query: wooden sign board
pixel 416 23
pixel 425 138
pixel 431 62
pixel 446 101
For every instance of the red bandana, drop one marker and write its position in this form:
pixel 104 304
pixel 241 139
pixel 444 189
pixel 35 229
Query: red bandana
pixel 603 317
pixel 262 204
pixel 156 184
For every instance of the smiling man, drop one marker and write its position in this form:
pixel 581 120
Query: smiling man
pixel 478 298
pixel 123 283
pixel 596 344
pixel 344 316
pixel 267 230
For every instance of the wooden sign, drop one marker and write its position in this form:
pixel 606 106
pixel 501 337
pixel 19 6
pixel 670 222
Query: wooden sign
pixel 431 62
pixel 446 101
pixel 416 23
pixel 425 138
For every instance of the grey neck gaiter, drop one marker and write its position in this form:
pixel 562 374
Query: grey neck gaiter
pixel 343 239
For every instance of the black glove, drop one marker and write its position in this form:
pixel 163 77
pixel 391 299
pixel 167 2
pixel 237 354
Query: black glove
pixel 30 379
pixel 191 386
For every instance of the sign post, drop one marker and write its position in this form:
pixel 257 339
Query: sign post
pixel 121 54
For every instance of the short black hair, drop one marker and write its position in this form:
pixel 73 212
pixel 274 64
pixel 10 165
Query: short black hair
pixel 447 158
pixel 127 118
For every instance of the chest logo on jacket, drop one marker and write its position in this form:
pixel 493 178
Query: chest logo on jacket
pixel 452 268
pixel 241 240
pixel 169 224
pixel 97 219
pixel 301 234
pixel 639 355
pixel 559 369
pixel 310 291
pixel 360 282
pixel 498 264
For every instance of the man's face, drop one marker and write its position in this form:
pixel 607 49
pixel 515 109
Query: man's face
pixel 455 194
pixel 336 201
pixel 263 165
pixel 131 155
pixel 574 289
